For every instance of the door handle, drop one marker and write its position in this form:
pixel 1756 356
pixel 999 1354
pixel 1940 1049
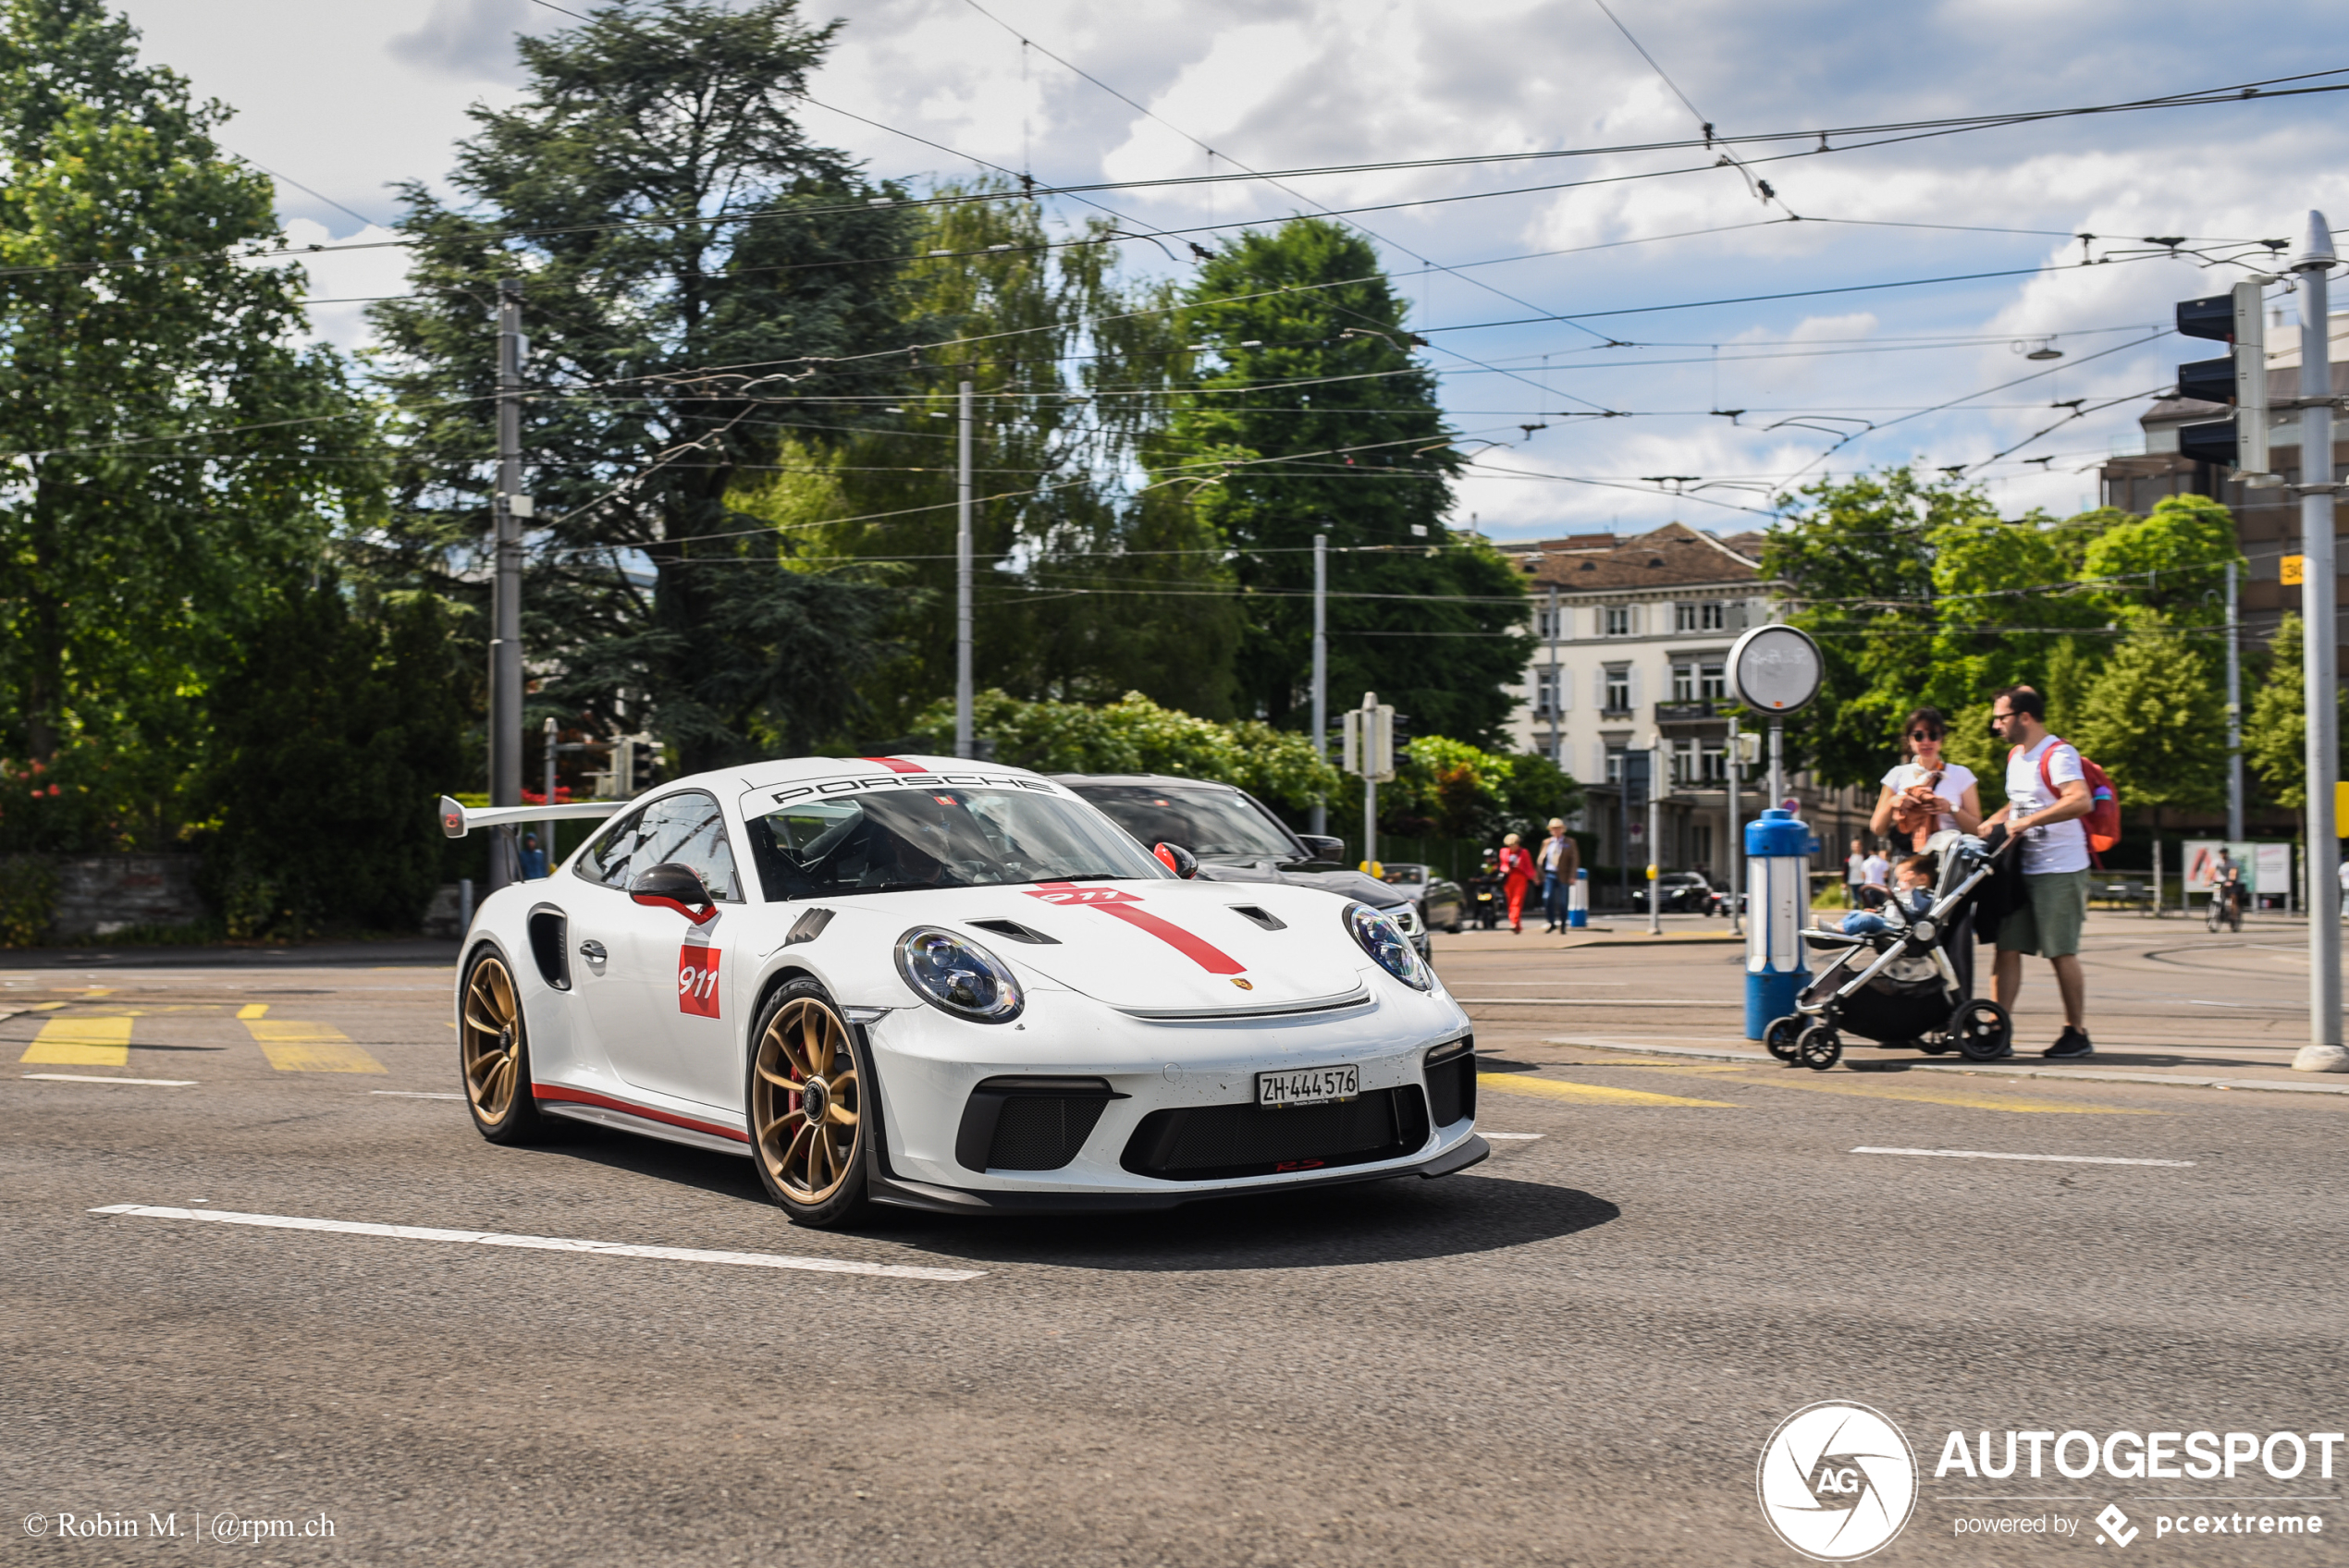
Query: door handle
pixel 594 953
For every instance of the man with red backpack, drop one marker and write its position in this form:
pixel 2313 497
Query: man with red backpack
pixel 2048 793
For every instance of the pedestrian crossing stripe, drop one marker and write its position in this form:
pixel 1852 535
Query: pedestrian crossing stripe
pixel 1586 1093
pixel 307 1047
pixel 82 1042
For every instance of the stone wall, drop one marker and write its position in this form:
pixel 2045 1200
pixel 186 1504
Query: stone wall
pixel 98 895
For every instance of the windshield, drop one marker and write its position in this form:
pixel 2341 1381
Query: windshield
pixel 1213 823
pixel 1401 873
pixel 934 837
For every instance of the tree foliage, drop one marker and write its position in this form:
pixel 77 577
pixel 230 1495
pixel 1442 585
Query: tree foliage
pixel 2156 721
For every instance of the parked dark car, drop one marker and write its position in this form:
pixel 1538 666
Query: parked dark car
pixel 1677 892
pixel 1237 838
pixel 1442 904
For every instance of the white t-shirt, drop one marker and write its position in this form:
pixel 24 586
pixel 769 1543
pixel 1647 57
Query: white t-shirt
pixel 1876 870
pixel 1855 869
pixel 2053 846
pixel 1956 778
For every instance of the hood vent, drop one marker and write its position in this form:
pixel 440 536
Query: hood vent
pixel 1015 931
pixel 1262 917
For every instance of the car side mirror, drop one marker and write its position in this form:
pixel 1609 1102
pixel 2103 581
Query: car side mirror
pixel 672 885
pixel 1320 848
pixel 1176 859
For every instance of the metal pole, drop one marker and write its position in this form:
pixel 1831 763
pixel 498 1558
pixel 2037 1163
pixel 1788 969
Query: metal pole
pixel 1737 835
pixel 2320 676
pixel 1370 760
pixel 1321 666
pixel 1557 694
pixel 963 743
pixel 553 732
pixel 2234 713
pixel 1655 842
pixel 505 647
pixel 1777 764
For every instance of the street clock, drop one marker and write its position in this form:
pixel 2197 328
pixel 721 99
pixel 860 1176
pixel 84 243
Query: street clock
pixel 1776 669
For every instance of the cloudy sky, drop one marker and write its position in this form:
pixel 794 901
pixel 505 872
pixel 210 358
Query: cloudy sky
pixel 347 100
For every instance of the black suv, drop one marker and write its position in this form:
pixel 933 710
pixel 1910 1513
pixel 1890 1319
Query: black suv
pixel 1237 839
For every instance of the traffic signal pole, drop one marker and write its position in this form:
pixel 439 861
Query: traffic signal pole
pixel 2320 674
pixel 505 645
pixel 964 745
pixel 1320 822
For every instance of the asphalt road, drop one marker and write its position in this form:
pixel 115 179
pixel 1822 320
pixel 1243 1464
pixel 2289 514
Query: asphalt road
pixel 1573 1353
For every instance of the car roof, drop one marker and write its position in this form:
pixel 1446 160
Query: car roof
pixel 1156 780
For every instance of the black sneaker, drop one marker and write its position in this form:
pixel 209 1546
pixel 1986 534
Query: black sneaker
pixel 2070 1046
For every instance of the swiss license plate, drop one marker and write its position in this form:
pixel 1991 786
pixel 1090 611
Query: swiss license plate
pixel 1313 1085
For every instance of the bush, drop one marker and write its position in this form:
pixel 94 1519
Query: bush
pixel 28 900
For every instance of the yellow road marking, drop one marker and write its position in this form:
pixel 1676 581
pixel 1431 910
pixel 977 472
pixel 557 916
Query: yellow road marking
pixel 45 1006
pixel 1588 1094
pixel 253 1010
pixel 82 1042
pixel 2018 1103
pixel 308 1047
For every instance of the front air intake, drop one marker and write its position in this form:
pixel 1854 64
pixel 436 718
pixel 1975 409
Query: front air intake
pixel 1216 1142
pixel 1029 1124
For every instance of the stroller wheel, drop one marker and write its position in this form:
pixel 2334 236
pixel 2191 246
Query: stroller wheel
pixel 1819 1047
pixel 1981 1030
pixel 1779 1036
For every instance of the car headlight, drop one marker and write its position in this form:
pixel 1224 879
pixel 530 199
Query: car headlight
pixel 955 975
pixel 1379 937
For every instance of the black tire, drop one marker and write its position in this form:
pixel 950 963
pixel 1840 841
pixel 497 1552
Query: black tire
pixel 1779 1034
pixel 1981 1030
pixel 805 1165
pixel 493 1052
pixel 1819 1047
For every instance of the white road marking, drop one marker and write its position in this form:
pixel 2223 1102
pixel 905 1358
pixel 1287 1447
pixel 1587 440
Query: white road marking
pixel 84 1078
pixel 1525 1137
pixel 2054 1158
pixel 1587 1001
pixel 415 1095
pixel 544 1243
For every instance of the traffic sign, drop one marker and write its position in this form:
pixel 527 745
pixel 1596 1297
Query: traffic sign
pixel 1775 668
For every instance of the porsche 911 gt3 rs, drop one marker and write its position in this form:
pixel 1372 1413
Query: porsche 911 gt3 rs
pixel 955 987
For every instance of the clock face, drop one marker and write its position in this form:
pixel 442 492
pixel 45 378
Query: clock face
pixel 1776 668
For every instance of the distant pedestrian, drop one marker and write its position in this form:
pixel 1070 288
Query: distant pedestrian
pixel 1560 858
pixel 1517 875
pixel 2047 796
pixel 533 859
pixel 1877 872
pixel 2344 889
pixel 1855 871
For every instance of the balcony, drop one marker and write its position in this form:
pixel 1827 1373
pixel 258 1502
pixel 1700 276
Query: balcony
pixel 1710 710
pixel 1613 714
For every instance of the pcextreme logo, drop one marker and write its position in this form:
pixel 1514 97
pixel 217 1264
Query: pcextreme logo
pixel 1837 1481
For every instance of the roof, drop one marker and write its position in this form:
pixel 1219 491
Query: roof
pixel 1674 555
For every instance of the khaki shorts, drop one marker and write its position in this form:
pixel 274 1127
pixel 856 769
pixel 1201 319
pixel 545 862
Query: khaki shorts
pixel 2047 924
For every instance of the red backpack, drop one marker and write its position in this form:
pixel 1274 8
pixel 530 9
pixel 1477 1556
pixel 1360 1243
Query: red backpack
pixel 2103 821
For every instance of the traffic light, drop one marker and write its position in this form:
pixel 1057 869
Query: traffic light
pixel 1369 740
pixel 2241 378
pixel 1398 737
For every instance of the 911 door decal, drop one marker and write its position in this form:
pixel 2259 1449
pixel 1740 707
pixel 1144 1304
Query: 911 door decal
pixel 697 979
pixel 1114 900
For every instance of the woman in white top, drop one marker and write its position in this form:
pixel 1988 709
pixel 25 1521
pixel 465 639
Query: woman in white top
pixel 1924 794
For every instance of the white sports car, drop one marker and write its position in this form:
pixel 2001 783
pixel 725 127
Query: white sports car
pixel 955 987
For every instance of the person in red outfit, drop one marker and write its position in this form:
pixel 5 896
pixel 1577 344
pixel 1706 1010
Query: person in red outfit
pixel 1517 875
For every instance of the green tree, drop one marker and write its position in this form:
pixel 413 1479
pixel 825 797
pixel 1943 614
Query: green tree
pixel 2275 732
pixel 700 278
pixel 1310 416
pixel 1450 788
pixel 174 448
pixel 2156 721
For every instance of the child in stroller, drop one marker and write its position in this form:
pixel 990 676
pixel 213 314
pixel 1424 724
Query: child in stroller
pixel 1893 979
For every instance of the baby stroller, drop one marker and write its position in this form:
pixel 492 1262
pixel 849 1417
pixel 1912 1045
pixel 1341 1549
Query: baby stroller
pixel 1910 983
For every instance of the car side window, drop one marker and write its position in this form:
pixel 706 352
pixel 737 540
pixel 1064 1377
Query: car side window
pixel 687 827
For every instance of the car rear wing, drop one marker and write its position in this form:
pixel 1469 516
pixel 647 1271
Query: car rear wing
pixel 458 820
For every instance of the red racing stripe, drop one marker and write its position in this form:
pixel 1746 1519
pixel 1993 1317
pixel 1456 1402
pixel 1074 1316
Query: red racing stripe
pixel 586 1096
pixel 896 765
pixel 1112 900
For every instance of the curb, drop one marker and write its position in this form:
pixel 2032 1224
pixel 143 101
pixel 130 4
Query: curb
pixel 1756 1058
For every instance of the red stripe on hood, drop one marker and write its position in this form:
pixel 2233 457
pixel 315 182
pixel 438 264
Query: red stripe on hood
pixel 896 765
pixel 1126 907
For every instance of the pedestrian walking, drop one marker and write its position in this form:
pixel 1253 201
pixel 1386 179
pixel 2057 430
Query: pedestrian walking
pixel 1926 793
pixel 1855 872
pixel 1875 876
pixel 2344 889
pixel 2047 796
pixel 1560 858
pixel 1517 876
pixel 533 859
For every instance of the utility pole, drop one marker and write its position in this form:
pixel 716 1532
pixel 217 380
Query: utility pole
pixel 2319 675
pixel 1320 823
pixel 1557 694
pixel 553 733
pixel 2234 713
pixel 1778 763
pixel 505 646
pixel 963 743
pixel 1655 829
pixel 1736 760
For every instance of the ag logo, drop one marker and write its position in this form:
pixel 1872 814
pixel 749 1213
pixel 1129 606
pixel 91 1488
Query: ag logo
pixel 1837 1481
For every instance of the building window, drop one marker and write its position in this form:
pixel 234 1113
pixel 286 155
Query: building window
pixel 1618 688
pixel 1615 765
pixel 1712 685
pixel 1545 623
pixel 1684 683
pixel 1684 762
pixel 1615 620
pixel 1545 694
pixel 1710 615
pixel 1716 762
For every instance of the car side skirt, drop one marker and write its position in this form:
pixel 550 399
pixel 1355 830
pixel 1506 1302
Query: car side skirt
pixel 584 1105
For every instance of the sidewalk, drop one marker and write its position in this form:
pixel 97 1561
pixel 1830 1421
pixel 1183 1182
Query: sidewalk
pixel 2106 1066
pixel 310 955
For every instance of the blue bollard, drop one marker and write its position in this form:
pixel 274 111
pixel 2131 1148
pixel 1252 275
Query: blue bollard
pixel 1578 900
pixel 1778 896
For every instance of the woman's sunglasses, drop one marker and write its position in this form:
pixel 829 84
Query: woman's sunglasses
pixel 1924 734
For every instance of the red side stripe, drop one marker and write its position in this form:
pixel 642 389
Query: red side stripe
pixel 585 1097
pixel 897 764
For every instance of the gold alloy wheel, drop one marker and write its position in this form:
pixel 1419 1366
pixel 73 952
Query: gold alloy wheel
pixel 492 1033
pixel 805 1101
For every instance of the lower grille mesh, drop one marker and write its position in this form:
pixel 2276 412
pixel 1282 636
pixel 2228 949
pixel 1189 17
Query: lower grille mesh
pixel 1042 1132
pixel 1210 1142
